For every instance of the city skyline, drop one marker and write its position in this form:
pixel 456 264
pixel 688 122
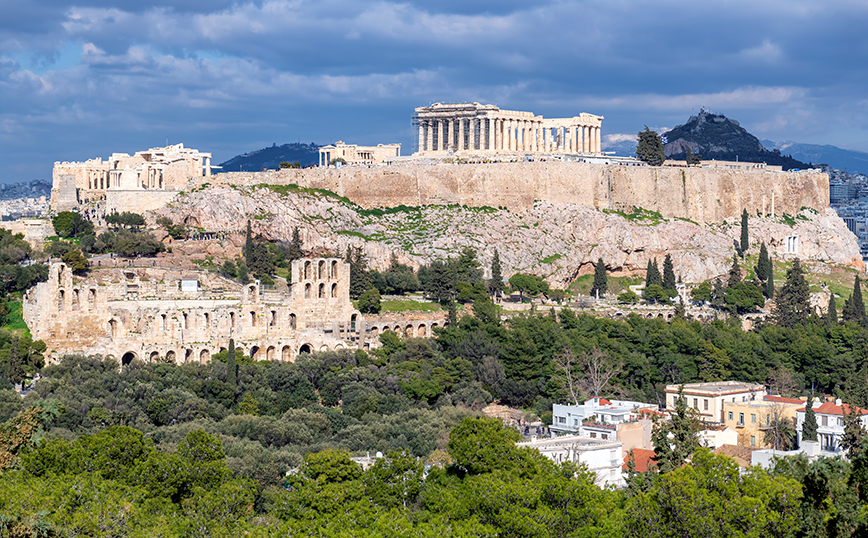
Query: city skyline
pixel 81 80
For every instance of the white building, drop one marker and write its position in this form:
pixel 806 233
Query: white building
pixel 830 424
pixel 603 458
pixel 708 398
pixel 597 416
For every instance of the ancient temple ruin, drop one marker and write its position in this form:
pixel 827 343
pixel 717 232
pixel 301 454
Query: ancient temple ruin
pixel 158 314
pixel 474 129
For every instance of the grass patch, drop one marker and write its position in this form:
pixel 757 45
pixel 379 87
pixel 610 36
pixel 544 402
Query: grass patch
pixel 551 259
pixel 16 319
pixel 639 215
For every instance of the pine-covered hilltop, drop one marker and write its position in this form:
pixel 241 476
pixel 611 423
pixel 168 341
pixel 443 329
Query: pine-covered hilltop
pixel 714 136
pixel 270 158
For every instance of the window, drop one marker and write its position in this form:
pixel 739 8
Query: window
pixel 840 422
pixel 696 403
pixel 593 435
pixel 753 418
pixel 730 415
pixel 575 422
pixel 603 436
pixel 767 419
pixel 741 418
pixel 753 440
pixel 824 421
pixel 705 404
pixel 562 420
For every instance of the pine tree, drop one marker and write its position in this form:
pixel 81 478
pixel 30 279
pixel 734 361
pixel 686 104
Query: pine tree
pixel 762 265
pixel 745 239
pixel 734 273
pixel 793 306
pixel 854 308
pixel 496 285
pixel 231 368
pixel 650 147
pixel 809 427
pixel 652 274
pixel 668 274
pixel 601 284
pixel 680 310
pixel 831 312
pixel 672 453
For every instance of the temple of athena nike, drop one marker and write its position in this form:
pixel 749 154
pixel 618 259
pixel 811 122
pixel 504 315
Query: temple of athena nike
pixel 475 129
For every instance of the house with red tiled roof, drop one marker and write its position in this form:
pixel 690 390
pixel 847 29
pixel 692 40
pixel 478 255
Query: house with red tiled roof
pixel 830 423
pixel 642 458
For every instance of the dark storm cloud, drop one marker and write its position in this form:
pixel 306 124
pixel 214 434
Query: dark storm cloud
pixel 81 78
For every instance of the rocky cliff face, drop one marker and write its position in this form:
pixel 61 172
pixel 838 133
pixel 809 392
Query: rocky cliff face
pixel 557 241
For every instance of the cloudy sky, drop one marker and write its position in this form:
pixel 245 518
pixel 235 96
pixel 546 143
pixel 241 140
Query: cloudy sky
pixel 85 78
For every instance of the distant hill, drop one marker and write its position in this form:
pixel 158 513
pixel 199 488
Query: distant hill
pixel 843 159
pixel 714 136
pixel 270 158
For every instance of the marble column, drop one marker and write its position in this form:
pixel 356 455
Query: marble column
pixel 439 135
pixel 422 146
pixel 490 134
pixel 472 144
pixel 460 145
pixel 584 139
pixel 599 142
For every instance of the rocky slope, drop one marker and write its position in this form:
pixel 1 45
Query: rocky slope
pixel 559 241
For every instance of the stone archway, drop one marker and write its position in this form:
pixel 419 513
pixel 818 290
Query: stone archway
pixel 170 356
pixel 154 356
pixel 286 354
pixel 269 353
pixel 305 348
pixel 128 357
pixel 204 356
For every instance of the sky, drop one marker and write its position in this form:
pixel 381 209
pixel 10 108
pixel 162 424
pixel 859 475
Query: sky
pixel 82 79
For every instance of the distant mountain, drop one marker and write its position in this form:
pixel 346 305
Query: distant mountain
pixel 270 158
pixel 843 159
pixel 621 146
pixel 714 136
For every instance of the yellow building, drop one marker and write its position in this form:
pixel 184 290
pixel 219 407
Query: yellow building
pixel 753 418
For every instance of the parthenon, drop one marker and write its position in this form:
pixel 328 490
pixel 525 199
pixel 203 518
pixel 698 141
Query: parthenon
pixel 472 128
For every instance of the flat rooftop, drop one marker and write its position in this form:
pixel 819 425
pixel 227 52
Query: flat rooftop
pixel 717 388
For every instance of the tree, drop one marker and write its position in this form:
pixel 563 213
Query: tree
pixel 770 283
pixel 628 296
pixel 744 244
pixel 744 297
pixel 231 368
pixel 482 445
pixel 668 274
pixel 781 431
pixel 75 260
pixel 247 250
pixel 369 301
pixel 652 274
pixel 295 250
pixel 809 426
pixel 531 285
pixel 854 308
pixel 792 305
pixel 601 286
pixel 249 405
pixel 566 375
pixel 650 147
pixel 676 440
pixel 831 311
pixel 359 280
pixel 496 284
pixel 701 293
pixel 734 273
pixel 854 431
pixel 655 294
pixel 692 159
pixel 763 264
pixel 71 224
pixel 598 368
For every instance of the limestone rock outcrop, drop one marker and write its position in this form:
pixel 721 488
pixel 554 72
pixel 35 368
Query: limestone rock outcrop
pixel 557 241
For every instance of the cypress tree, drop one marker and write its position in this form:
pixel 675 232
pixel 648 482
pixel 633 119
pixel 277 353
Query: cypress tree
pixel 854 308
pixel 668 274
pixel 762 265
pixel 793 300
pixel 809 427
pixel 652 274
pixel 453 314
pixel 734 273
pixel 745 240
pixel 231 368
pixel 601 283
pixel 831 312
pixel 496 285
pixel 248 245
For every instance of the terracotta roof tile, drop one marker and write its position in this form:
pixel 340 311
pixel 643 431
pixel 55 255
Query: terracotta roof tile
pixel 644 459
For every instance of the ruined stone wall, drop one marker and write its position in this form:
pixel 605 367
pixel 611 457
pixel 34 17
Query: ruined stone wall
pixel 698 194
pixel 35 231
pixel 137 201
pixel 129 313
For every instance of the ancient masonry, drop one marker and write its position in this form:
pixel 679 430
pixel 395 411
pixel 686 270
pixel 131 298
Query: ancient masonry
pixel 143 181
pixel 473 129
pixel 353 154
pixel 154 313
pixel 704 195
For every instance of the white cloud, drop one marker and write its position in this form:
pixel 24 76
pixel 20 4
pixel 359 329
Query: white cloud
pixel 767 52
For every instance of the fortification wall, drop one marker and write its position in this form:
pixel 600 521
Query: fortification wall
pixel 138 201
pixel 698 194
